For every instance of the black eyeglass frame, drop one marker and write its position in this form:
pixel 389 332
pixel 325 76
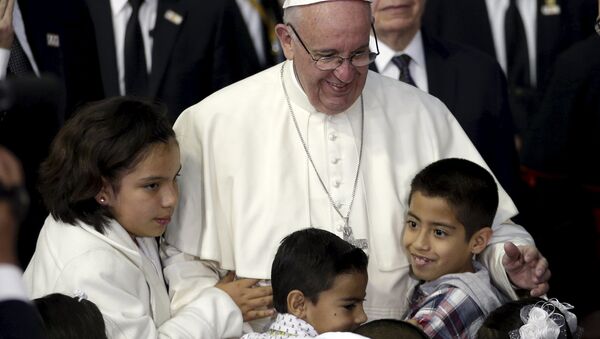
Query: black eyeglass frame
pixel 341 59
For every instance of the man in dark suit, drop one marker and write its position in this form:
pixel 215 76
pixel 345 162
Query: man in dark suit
pixel 560 158
pixel 554 24
pixel 61 36
pixel 18 317
pixel 194 48
pixel 51 67
pixel 261 16
pixel 469 82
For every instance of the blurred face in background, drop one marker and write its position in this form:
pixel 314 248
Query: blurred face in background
pixel 397 16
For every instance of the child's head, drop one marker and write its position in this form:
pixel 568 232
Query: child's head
pixel 114 159
pixel 321 279
pixel 530 318
pixel 67 317
pixel 391 329
pixel 452 204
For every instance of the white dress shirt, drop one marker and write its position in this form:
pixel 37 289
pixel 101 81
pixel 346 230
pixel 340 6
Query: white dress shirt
pixel 19 29
pixel 255 27
pixel 12 286
pixel 528 11
pixel 121 11
pixel 417 67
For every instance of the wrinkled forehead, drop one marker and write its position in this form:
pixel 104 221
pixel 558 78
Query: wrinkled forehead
pixel 293 3
pixel 350 15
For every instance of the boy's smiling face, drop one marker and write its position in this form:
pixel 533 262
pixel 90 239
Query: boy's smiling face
pixel 434 239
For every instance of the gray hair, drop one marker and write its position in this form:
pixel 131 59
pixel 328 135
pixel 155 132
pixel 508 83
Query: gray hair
pixel 292 15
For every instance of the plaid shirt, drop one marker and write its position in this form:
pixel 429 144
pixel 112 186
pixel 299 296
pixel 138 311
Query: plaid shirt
pixel 446 313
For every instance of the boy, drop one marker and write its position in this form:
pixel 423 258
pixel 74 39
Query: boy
pixel 451 209
pixel 319 283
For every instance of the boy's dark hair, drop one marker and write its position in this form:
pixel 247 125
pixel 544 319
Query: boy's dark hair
pixel 506 318
pixel 390 329
pixel 102 141
pixel 65 317
pixel 309 260
pixel 468 188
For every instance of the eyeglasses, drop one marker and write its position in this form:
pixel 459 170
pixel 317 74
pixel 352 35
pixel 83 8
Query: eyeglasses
pixel 329 63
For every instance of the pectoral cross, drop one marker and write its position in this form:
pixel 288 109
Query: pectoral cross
pixel 348 235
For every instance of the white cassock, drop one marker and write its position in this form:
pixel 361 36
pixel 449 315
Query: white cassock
pixel 246 182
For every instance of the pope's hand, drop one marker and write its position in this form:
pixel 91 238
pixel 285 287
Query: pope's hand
pixel 526 268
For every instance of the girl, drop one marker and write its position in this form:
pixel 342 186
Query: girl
pixel 110 184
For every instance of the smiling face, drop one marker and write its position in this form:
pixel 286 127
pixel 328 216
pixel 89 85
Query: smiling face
pixel 339 308
pixel 393 17
pixel 148 194
pixel 435 240
pixel 328 29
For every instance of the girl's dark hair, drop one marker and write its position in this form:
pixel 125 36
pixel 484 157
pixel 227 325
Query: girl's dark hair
pixel 309 260
pixel 102 141
pixel 65 317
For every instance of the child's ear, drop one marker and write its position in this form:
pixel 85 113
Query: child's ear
pixel 296 304
pixel 480 239
pixel 103 196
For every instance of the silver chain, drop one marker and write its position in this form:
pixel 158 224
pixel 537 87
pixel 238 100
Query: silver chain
pixel 310 159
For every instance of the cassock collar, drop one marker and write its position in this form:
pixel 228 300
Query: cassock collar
pixel 299 98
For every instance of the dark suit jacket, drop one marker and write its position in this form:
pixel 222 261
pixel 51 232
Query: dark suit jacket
pixel 467 22
pixel 275 11
pixel 190 60
pixel 20 320
pixel 61 36
pixel 564 200
pixel 565 131
pixel 473 87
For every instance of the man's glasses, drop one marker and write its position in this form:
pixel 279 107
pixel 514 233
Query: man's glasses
pixel 329 63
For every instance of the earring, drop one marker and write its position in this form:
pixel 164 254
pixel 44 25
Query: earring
pixel 102 200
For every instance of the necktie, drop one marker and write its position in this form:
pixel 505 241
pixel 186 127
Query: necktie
pixel 136 75
pixel 18 63
pixel 517 56
pixel 402 62
pixel 270 37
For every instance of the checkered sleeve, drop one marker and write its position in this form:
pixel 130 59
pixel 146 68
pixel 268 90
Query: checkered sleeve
pixel 449 313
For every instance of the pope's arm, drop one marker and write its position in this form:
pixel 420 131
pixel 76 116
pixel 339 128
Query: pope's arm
pixel 188 277
pixel 494 253
pixel 526 267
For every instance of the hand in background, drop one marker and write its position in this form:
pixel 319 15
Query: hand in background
pixel 11 175
pixel 6 26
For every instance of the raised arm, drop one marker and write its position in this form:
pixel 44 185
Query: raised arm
pixel 514 261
